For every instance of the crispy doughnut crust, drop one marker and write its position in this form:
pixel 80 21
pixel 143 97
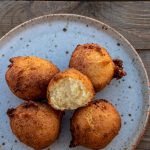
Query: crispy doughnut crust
pixel 35 124
pixel 28 77
pixel 95 62
pixel 94 126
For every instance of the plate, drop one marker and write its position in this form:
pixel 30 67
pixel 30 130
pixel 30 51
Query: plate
pixel 54 37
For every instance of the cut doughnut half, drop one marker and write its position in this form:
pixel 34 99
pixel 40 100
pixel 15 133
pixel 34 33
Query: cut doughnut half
pixel 69 89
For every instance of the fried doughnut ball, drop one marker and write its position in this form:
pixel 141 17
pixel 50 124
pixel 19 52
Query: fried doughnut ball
pixel 28 77
pixel 95 62
pixel 69 89
pixel 35 124
pixel 95 126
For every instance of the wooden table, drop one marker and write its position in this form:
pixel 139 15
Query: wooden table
pixel 132 19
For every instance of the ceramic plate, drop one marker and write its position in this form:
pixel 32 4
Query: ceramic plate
pixel 54 37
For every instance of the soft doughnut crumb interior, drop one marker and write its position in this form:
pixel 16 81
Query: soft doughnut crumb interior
pixel 68 93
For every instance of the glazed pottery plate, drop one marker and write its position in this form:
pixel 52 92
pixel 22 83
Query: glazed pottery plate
pixel 54 37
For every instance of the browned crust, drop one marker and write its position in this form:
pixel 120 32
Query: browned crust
pixel 28 77
pixel 31 105
pixel 95 62
pixel 37 119
pixel 73 73
pixel 80 129
pixel 10 112
pixel 119 72
pixel 89 59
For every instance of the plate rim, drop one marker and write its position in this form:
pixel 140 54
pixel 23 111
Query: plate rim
pixel 138 139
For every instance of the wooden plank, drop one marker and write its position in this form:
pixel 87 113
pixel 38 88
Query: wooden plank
pixel 132 19
pixel 145 142
pixel 145 56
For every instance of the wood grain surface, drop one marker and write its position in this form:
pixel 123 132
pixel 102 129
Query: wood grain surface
pixel 132 19
pixel 145 142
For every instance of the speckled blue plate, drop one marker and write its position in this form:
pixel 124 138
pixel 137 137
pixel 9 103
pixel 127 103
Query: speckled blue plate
pixel 54 37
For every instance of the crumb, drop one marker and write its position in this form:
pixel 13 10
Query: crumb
pixel 119 72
